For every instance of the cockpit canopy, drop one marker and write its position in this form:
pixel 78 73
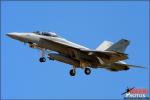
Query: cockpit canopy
pixel 52 34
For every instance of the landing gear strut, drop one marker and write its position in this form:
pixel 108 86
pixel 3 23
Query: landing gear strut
pixel 73 71
pixel 87 71
pixel 42 59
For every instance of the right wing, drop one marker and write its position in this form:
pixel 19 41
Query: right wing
pixel 107 57
pixel 102 57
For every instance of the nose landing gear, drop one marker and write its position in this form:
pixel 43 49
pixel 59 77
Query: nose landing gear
pixel 42 59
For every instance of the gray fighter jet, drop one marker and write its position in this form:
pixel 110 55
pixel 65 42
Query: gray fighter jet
pixel 108 55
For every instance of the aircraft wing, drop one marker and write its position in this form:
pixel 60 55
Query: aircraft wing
pixel 104 57
pixel 107 56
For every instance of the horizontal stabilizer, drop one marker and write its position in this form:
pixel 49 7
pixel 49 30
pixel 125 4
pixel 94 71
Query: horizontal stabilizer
pixel 120 66
pixel 135 66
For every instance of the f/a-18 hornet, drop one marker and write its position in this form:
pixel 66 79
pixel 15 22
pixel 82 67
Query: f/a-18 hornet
pixel 107 55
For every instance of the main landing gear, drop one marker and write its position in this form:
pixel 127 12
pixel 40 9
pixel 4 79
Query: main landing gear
pixel 87 71
pixel 72 72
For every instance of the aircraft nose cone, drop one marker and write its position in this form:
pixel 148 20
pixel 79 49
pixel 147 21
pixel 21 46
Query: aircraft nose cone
pixel 14 35
pixel 11 35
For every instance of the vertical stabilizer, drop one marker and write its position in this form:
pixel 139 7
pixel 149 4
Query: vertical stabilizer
pixel 104 45
pixel 120 46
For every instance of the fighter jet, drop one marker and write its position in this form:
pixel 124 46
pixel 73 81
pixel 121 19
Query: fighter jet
pixel 107 55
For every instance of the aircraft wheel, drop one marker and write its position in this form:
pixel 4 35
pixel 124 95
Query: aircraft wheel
pixel 42 59
pixel 72 72
pixel 87 71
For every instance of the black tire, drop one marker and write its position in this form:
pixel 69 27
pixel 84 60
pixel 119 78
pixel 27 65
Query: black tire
pixel 72 72
pixel 42 59
pixel 87 71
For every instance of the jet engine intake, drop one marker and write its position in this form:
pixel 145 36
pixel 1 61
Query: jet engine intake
pixel 34 46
